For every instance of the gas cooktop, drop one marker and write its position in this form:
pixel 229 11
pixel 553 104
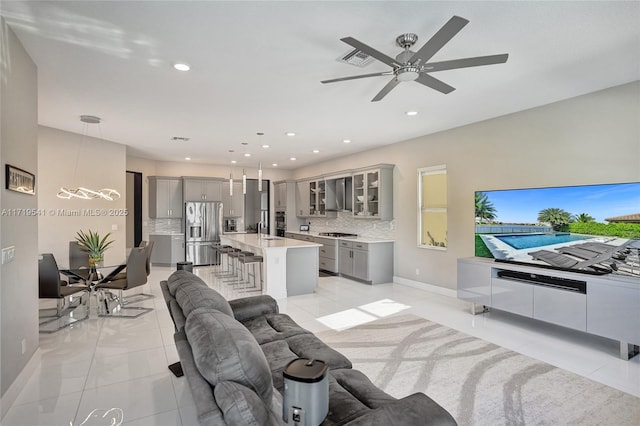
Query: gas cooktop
pixel 337 234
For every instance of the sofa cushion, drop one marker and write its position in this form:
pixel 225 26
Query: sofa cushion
pixel 224 350
pixel 270 327
pixel 180 277
pixel 192 296
pixel 241 406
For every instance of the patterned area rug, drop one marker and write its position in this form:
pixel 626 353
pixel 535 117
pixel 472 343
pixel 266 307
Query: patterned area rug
pixel 478 382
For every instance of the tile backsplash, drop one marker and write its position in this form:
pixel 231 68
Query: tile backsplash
pixel 345 222
pixel 162 226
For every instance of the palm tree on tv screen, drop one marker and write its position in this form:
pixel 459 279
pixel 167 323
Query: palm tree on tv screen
pixel 485 211
pixel 584 218
pixel 556 217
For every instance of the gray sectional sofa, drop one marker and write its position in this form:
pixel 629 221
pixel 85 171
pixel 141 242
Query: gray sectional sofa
pixel 233 354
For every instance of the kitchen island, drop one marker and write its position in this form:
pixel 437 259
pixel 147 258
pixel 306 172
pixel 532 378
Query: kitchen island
pixel 290 266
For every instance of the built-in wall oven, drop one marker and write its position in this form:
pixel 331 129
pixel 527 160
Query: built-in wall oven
pixel 281 223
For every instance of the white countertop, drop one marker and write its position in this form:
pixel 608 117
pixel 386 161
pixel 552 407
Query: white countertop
pixel 371 240
pixel 268 241
pixel 167 233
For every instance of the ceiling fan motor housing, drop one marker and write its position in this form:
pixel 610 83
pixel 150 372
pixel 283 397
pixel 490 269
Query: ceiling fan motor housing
pixel 406 40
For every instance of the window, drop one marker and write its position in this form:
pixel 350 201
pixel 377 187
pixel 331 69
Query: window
pixel 432 204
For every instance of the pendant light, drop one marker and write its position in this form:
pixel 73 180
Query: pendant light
pixel 260 134
pixel 231 174
pixel 244 182
pixel 81 192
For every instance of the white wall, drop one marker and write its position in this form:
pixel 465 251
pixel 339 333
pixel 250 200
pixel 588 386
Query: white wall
pixel 589 139
pixel 18 147
pixel 73 160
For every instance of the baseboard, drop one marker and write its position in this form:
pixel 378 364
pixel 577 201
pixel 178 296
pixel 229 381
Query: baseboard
pixel 10 396
pixel 426 287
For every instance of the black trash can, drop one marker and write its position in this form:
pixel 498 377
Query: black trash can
pixel 187 266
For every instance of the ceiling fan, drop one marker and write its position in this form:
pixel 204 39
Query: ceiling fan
pixel 415 66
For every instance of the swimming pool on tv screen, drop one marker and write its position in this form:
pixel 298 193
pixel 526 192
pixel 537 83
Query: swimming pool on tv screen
pixel 527 241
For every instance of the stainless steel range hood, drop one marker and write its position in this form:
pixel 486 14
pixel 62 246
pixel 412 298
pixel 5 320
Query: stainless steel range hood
pixel 343 194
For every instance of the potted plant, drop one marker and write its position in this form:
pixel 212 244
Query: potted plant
pixel 94 246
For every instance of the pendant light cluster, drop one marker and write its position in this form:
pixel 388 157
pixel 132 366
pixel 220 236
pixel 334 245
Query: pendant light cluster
pixel 244 174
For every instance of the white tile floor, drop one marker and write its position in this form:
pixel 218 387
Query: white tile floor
pixel 114 362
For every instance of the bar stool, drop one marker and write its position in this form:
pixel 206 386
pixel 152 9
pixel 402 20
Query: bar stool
pixel 235 265
pixel 224 256
pixel 253 260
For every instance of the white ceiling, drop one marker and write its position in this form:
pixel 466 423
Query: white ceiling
pixel 257 67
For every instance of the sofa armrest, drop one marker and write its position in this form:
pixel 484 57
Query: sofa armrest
pixel 416 409
pixel 165 292
pixel 254 306
pixel 208 412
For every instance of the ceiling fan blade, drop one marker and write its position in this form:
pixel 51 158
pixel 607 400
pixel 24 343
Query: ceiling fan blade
pixel 386 89
pixel 434 83
pixel 442 37
pixel 371 52
pixel 354 77
pixel 466 62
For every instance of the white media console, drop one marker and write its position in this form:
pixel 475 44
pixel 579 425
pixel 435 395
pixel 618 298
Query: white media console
pixel 604 305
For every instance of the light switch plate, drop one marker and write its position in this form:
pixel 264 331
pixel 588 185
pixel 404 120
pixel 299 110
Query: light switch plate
pixel 8 254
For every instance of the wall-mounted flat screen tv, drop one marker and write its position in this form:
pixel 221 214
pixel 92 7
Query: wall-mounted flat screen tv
pixel 591 228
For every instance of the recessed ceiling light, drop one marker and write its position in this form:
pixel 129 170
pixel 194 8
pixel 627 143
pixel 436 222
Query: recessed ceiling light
pixel 347 141
pixel 275 164
pixel 180 138
pixel 315 151
pixel 265 146
pixel 247 155
pixel 411 113
pixel 292 158
pixel 233 161
pixel 187 158
pixel 181 67
pixel 290 134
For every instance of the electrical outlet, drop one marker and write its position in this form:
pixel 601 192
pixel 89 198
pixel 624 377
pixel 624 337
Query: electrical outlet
pixel 417 271
pixel 24 346
pixel 114 227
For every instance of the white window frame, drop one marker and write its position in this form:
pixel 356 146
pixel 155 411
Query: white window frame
pixel 431 170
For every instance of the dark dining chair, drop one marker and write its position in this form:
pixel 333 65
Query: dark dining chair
pixel 78 258
pixel 139 297
pixel 133 275
pixel 51 286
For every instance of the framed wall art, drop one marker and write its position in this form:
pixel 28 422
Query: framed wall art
pixel 20 180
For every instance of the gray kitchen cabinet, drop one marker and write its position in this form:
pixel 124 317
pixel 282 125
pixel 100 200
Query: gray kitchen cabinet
pixel 280 196
pixel 168 249
pixel 233 205
pixel 373 193
pixel 202 189
pixel 165 197
pixel 328 259
pixel 371 262
pixel 303 199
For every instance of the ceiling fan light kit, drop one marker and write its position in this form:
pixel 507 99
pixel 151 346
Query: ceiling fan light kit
pixel 415 66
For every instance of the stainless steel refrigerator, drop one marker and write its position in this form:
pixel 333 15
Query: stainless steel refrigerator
pixel 203 227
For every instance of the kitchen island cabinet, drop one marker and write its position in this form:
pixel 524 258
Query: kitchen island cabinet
pixel 290 265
